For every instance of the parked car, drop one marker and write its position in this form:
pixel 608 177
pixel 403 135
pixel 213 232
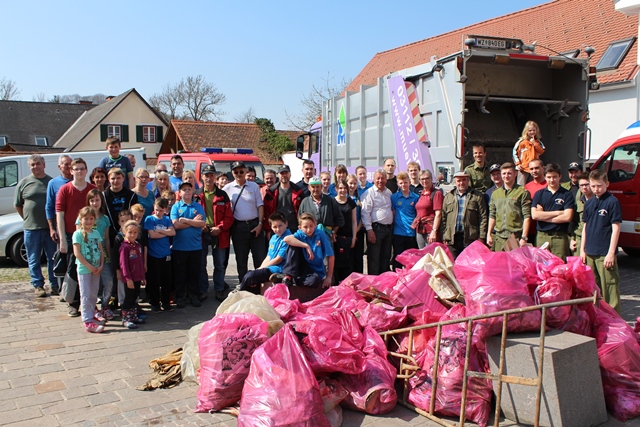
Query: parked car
pixel 12 239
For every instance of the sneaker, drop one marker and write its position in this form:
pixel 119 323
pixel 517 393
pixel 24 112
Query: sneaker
pixel 167 307
pixel 288 280
pixel 73 312
pixel 276 278
pixel 55 291
pixel 156 309
pixel 140 313
pixel 99 318
pixel 93 327
pixel 195 301
pixel 129 324
pixel 181 303
pixel 203 296
pixel 108 314
pixel 138 321
pixel 220 296
pixel 40 292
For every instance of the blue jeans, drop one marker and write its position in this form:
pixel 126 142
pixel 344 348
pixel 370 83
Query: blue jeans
pixel 219 267
pixel 35 241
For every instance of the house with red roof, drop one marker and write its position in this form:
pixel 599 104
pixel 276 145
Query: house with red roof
pixel 564 27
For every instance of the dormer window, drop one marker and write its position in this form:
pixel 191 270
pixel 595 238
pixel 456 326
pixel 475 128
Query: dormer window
pixel 615 54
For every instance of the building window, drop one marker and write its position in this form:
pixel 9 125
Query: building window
pixel 615 54
pixel 148 134
pixel 114 130
pixel 3 141
pixel 42 141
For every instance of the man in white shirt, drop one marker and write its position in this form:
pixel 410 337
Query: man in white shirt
pixel 248 211
pixel 377 218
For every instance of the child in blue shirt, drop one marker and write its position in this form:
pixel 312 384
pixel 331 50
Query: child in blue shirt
pixel 159 279
pixel 275 259
pixel 403 203
pixel 308 247
pixel 117 160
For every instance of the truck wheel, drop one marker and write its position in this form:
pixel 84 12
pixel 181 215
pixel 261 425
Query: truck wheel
pixel 18 252
pixel 634 252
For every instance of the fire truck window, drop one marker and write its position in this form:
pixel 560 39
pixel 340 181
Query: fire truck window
pixel 623 163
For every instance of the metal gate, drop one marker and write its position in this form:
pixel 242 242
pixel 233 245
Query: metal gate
pixel 409 366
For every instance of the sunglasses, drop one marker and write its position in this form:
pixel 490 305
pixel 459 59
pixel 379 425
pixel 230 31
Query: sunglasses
pixel 240 172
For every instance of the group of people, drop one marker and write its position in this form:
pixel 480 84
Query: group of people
pixel 122 232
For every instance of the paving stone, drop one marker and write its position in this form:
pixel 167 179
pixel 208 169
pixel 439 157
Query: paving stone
pixel 21 415
pixel 47 420
pixel 49 386
pixel 40 399
pixel 24 381
pixel 82 391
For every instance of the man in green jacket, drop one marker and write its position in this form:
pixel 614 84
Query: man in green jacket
pixel 509 211
pixel 464 215
pixel 478 172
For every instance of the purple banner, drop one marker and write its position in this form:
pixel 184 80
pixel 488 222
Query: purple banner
pixel 404 116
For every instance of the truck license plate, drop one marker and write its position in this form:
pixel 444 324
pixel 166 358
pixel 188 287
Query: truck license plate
pixel 491 43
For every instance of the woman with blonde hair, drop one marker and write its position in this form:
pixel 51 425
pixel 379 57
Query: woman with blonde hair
pixel 160 184
pixel 527 148
pixel 145 197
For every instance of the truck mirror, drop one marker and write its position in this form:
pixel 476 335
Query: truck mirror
pixel 300 146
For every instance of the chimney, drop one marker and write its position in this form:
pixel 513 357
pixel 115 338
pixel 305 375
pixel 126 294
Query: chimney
pixel 109 98
pixel 85 102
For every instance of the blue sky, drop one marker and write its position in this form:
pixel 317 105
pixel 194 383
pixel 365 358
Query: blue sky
pixel 260 54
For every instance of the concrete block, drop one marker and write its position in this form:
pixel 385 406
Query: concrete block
pixel 572 387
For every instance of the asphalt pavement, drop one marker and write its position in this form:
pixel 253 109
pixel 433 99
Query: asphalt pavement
pixel 53 373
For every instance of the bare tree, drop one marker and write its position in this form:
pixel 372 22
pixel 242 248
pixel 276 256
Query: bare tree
pixel 247 116
pixel 311 103
pixel 192 98
pixel 202 99
pixel 97 99
pixel 169 101
pixel 8 90
pixel 39 97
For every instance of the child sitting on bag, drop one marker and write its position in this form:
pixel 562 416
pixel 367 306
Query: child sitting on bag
pixel 308 247
pixel 275 259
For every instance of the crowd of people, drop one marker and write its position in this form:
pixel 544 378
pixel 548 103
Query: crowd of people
pixel 121 231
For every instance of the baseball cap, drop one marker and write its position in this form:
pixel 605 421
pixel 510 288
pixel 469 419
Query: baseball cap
pixel 185 183
pixel 208 169
pixel 235 165
pixel 574 166
pixel 461 174
pixel 315 181
pixel 284 168
pixel 494 167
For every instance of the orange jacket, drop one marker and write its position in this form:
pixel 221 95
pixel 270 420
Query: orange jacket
pixel 525 151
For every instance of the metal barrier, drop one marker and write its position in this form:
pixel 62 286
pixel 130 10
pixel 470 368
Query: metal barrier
pixel 409 366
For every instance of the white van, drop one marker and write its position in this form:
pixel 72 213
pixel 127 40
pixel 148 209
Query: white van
pixel 14 168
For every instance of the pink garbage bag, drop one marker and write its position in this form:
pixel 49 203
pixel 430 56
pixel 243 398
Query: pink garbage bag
pixel 554 289
pixel 537 263
pixel 328 345
pixel 409 257
pixel 334 298
pixel 412 290
pixel 421 338
pixel 495 281
pixel 450 368
pixel 281 390
pixel 380 316
pixel 619 354
pixel 373 390
pixel 578 322
pixel 363 282
pixel 279 298
pixel 226 344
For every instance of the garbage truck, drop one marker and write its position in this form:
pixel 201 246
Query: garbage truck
pixel 434 113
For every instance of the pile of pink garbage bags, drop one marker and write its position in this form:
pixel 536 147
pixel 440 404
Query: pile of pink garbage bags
pixel 327 353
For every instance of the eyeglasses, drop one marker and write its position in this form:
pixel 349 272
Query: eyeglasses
pixel 79 169
pixel 241 172
pixel 143 177
pixel 424 179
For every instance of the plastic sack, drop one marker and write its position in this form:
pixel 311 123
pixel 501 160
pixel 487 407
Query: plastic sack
pixel 332 393
pixel 409 257
pixel 332 344
pixel 363 282
pixel 226 344
pixel 537 263
pixel 372 391
pixel 554 289
pixel 578 322
pixel 637 327
pixel 421 338
pixel 190 361
pixel 495 281
pixel 281 389
pixel 412 290
pixel 246 302
pixel 450 367
pixel 334 416
pixel 380 316
pixel 619 354
pixel 334 298
pixel 278 297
